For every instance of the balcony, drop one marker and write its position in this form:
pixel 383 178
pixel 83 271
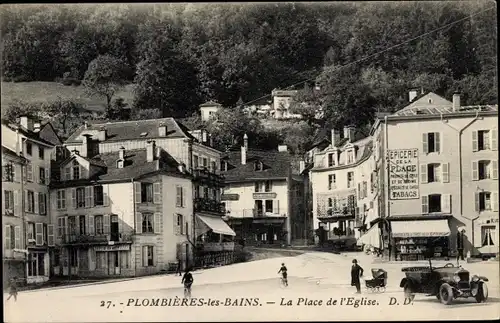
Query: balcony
pixel 255 213
pixel 208 205
pixel 335 214
pixel 75 239
pixel 204 175
pixel 215 246
pixel 339 234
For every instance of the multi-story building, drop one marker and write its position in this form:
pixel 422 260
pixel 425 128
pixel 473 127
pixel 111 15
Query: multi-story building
pixel 441 170
pixel 36 143
pixel 264 195
pixel 14 250
pixel 190 149
pixel 342 180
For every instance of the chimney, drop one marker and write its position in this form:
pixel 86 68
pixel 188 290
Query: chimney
pixel 282 148
pixel 162 129
pixel 456 101
pixel 211 139
pixel 86 145
pixel 302 166
pixel 243 155
pixel 102 133
pixel 150 150
pixel 27 122
pixel 349 132
pixel 122 153
pixel 335 137
pixel 203 136
pixel 36 127
pixel 245 142
pixel 412 95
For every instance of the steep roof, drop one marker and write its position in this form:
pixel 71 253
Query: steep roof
pixel 38 136
pixel 11 153
pixel 364 149
pixel 276 165
pixel 139 129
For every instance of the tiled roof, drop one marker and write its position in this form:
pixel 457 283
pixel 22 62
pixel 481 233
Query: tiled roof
pixel 363 151
pixel 28 133
pixel 9 152
pixel 140 129
pixel 436 110
pixel 276 165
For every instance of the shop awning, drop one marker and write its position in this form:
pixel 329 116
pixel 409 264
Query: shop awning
pixel 371 237
pixel 216 224
pixel 422 228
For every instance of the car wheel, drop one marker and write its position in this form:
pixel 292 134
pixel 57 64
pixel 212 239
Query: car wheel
pixel 408 291
pixel 482 293
pixel 446 294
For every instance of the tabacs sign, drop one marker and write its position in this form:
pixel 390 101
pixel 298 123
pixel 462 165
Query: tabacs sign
pixel 403 174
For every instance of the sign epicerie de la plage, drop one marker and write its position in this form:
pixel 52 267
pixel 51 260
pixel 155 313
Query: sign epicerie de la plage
pixel 403 174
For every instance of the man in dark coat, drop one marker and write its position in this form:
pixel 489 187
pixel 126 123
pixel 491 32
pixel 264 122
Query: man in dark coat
pixel 356 272
pixel 460 245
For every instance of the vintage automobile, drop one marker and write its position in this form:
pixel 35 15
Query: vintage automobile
pixel 446 283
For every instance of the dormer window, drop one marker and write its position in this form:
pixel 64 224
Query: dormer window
pixel 331 160
pixel 350 156
pixel 76 170
pixel 223 166
pixel 120 163
pixel 258 166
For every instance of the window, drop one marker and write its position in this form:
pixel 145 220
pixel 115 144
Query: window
pixel 82 224
pixel 213 167
pixel 257 187
pixel 147 258
pixel 80 197
pixel 72 225
pixel 269 206
pixel 485 201
pixel 42 203
pixel 98 195
pixel 147 223
pixel 483 140
pixel 433 171
pixel 350 156
pixel 61 199
pixel 61 225
pixel 365 188
pixel 197 191
pixel 268 186
pixel 205 162
pixel 205 192
pixel 331 160
pixel 484 169
pixel 41 175
pixel 146 192
pixel 8 200
pixel 179 198
pixel 350 179
pixel 29 172
pixel 45 234
pixel 180 222
pixel 30 231
pixel 8 172
pixel 330 203
pixel 73 257
pixel 99 224
pixel 30 207
pixel 258 166
pixel 223 166
pixel 36 264
pixel 488 235
pixel 332 182
pixel 434 203
pixel 76 170
pixel 100 259
pixel 431 142
pixel 41 153
pixel 195 161
pixel 29 148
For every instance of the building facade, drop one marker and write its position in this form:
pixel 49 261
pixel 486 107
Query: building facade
pixel 36 143
pixel 441 179
pixel 264 196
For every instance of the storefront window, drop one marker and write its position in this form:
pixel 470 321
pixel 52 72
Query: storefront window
pixel 488 236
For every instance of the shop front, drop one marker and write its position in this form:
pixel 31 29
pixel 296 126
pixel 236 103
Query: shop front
pixel 486 239
pixel 413 238
pixel 37 266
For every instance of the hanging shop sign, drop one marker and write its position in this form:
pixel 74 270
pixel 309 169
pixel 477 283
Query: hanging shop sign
pixel 403 174
pixel 264 196
pixel 123 247
pixel 230 197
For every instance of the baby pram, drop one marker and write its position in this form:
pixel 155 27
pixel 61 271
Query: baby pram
pixel 377 284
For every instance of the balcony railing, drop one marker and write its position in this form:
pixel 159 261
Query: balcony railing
pixel 337 213
pixel 216 246
pixel 255 213
pixel 207 175
pixel 208 205
pixel 118 237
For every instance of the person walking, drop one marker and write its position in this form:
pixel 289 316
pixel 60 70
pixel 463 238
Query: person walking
pixel 13 288
pixel 460 245
pixel 356 273
pixel 178 267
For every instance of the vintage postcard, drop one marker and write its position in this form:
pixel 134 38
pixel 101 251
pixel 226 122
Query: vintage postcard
pixel 329 161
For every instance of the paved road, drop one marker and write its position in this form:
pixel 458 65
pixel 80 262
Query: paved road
pixel 251 292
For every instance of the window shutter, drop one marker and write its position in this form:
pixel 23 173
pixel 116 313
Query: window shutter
pixel 183 197
pixel 494 201
pixel 138 223
pixel 47 177
pixel 67 172
pixel 59 227
pixel 476 201
pixel 493 139
pixel 26 201
pixel 156 193
pixel 7 237
pixel 137 189
pixel 91 197
pixel 50 235
pixel 42 201
pixel 359 191
pixel 425 204
pixel 105 195
pixel 475 171
pixel 425 143
pixel 474 141
pixel 437 141
pixel 91 225
pixel 87 196
pixel 177 229
pixel 178 197
pixel 17 237
pixel 106 223
pixel 17 173
pixel 73 198
pixel 446 203
pixel 157 223
pixel 445 168
pixel 16 203
pixel 37 200
pixel 494 169
pixel 144 256
pixel 77 225
pixel 423 173
pixel 155 256
pixel 39 233
pixel 25 173
pixel 66 226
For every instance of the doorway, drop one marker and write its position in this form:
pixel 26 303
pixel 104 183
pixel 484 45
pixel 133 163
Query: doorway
pixel 115 233
pixel 113 263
